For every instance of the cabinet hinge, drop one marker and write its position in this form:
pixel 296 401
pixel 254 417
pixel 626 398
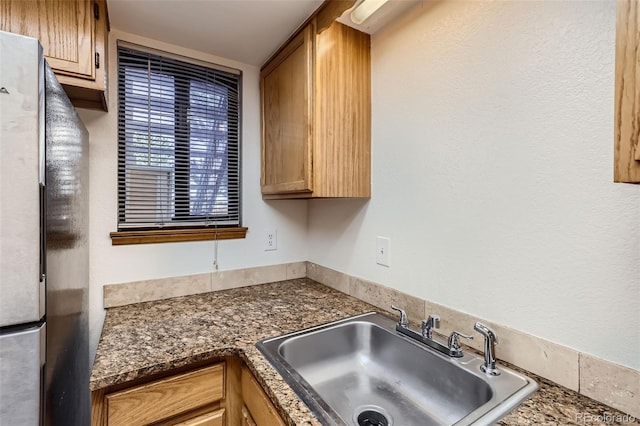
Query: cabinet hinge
pixel 97 60
pixel 96 11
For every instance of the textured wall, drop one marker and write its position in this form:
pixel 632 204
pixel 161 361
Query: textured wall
pixel 492 173
pixel 117 264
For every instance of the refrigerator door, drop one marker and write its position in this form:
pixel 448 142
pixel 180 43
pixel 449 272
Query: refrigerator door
pixel 22 355
pixel 67 370
pixel 21 178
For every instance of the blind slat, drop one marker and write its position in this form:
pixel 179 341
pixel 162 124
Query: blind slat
pixel 178 143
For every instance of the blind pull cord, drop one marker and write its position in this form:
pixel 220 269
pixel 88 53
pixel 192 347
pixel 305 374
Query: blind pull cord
pixel 215 251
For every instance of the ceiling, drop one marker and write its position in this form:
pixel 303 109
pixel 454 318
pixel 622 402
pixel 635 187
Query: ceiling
pixel 247 31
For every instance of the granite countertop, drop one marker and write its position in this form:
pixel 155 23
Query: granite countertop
pixel 147 338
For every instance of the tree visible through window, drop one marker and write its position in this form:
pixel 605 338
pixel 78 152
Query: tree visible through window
pixel 178 144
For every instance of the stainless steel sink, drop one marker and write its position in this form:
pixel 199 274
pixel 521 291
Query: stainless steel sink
pixel 360 371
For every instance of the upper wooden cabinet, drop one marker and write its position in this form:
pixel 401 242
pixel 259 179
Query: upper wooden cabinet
pixel 627 95
pixel 316 113
pixel 73 34
pixel 287 83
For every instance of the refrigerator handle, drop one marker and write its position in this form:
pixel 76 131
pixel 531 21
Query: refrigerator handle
pixel 43 233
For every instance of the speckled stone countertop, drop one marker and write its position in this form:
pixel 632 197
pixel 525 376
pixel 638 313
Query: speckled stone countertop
pixel 147 338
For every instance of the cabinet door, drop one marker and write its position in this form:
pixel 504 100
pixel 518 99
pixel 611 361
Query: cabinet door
pixel 260 409
pixel 627 95
pixel 166 398
pixel 65 29
pixel 287 109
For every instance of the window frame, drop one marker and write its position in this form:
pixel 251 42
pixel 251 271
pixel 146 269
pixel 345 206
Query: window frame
pixel 176 232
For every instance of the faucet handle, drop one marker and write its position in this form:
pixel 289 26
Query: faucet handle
pixel 432 322
pixel 454 343
pixel 429 324
pixel 403 322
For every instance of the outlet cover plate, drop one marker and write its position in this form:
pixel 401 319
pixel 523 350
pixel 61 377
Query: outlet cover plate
pixel 383 251
pixel 270 239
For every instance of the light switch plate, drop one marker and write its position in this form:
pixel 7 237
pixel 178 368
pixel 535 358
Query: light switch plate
pixel 383 251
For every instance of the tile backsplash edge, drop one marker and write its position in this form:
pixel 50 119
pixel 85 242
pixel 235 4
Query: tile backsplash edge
pixel 121 294
pixel 607 382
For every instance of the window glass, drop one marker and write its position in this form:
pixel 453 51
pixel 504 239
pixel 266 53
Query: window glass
pixel 178 141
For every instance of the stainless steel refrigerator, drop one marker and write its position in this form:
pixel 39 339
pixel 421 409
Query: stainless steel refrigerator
pixel 44 251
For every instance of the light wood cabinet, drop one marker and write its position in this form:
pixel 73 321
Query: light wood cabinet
pixel 627 94
pixel 259 409
pixel 316 112
pixel 223 394
pixel 73 34
pixel 287 139
pixel 187 399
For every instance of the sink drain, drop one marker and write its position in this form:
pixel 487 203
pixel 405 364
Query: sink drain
pixel 372 416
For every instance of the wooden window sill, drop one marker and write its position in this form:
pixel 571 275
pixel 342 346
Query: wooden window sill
pixel 176 235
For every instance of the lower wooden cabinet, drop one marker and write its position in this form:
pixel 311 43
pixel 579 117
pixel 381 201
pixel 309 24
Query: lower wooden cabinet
pixel 222 394
pixel 260 409
pixel 189 398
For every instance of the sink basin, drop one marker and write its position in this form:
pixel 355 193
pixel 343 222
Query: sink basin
pixel 360 371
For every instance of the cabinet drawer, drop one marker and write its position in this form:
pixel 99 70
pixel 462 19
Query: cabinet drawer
pixel 260 407
pixel 215 418
pixel 165 398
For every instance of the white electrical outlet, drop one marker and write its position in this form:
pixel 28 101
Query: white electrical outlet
pixel 270 239
pixel 383 251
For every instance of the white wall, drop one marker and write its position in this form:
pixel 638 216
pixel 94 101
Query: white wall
pixel 114 264
pixel 492 169
pixel 492 173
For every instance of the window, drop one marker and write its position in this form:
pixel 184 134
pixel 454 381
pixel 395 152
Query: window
pixel 178 144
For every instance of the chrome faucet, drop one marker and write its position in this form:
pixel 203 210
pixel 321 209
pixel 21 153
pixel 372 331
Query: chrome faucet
pixel 452 349
pixel 490 341
pixel 428 325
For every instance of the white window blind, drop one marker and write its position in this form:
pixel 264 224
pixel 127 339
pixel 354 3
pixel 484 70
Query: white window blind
pixel 178 143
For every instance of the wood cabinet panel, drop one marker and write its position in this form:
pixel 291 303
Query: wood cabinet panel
pixel 215 418
pixel 260 409
pixel 73 34
pixel 165 398
pixel 342 113
pixel 98 412
pixel 316 112
pixel 233 398
pixel 247 420
pixel 226 393
pixel 286 86
pixel 65 29
pixel 627 94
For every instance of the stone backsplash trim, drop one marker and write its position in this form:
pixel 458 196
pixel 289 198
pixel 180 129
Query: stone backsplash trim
pixel 165 288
